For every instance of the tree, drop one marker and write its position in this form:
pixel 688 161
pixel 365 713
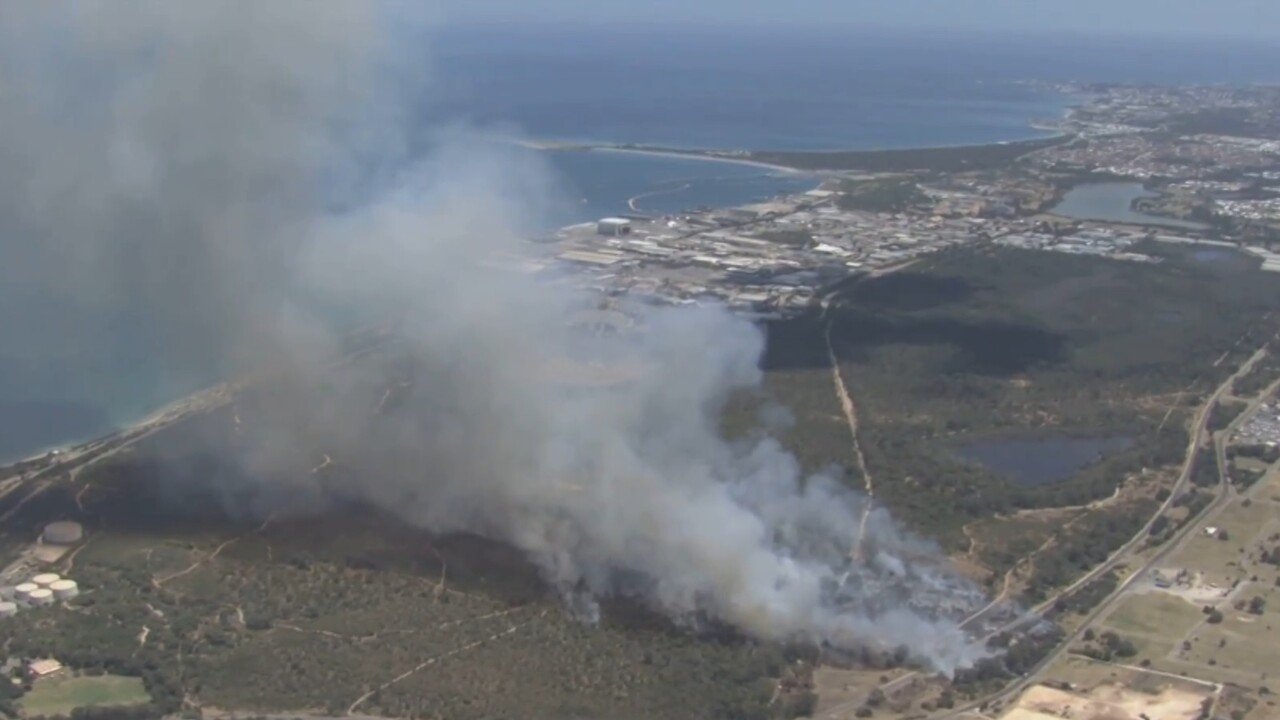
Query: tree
pixel 876 698
pixel 1215 617
pixel 863 712
pixel 1257 605
pixel 804 705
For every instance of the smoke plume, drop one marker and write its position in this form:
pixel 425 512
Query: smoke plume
pixel 224 175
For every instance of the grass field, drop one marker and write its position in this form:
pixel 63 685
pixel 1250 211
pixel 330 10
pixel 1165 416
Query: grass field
pixel 1154 614
pixel 62 694
pixel 1242 644
pixel 1224 562
pixel 995 344
pixel 1084 673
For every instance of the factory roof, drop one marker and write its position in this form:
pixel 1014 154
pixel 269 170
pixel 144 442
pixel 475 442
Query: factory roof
pixel 590 257
pixel 40 668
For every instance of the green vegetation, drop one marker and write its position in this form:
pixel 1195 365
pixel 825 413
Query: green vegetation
pixel 798 238
pixel 1237 121
pixel 355 613
pixel 206 610
pixel 1224 413
pixel 882 195
pixel 1204 468
pixel 1108 646
pixel 961 158
pixel 1259 377
pixel 998 343
pixel 1085 545
pixel 60 695
pixel 1086 597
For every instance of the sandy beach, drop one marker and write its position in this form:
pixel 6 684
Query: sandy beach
pixel 703 155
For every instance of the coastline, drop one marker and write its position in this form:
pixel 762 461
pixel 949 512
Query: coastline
pixel 692 154
pixel 750 158
pixel 162 415
pixel 742 157
pixel 703 155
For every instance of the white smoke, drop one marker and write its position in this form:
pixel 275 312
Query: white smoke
pixel 173 157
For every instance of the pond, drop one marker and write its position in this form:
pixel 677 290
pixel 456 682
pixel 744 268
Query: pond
pixel 1209 255
pixel 1039 461
pixel 1113 202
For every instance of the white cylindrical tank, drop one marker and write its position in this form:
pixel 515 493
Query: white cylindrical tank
pixel 23 591
pixel 46 579
pixel 63 532
pixel 40 596
pixel 8 609
pixel 65 589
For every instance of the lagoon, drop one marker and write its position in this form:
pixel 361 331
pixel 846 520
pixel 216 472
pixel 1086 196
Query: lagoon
pixel 1031 462
pixel 1113 202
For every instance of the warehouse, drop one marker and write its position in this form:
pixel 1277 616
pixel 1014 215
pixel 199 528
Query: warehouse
pixel 613 226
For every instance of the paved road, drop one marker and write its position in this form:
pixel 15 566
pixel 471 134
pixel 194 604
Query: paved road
pixel 1200 423
pixel 1224 495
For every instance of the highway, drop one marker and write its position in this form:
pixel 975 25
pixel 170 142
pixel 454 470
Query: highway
pixel 1224 495
pixel 1200 423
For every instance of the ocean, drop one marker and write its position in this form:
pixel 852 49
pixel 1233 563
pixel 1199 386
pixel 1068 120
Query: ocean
pixel 663 86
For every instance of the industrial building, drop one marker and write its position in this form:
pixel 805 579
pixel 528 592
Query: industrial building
pixel 43 668
pixel 589 257
pixel 613 227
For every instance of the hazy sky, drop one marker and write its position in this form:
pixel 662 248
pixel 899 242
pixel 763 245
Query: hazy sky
pixel 1258 18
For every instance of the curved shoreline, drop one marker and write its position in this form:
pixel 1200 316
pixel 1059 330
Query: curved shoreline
pixel 820 162
pixel 693 154
pixel 703 155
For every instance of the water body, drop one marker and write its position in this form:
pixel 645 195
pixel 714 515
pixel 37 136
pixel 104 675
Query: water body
pixel 674 88
pixel 660 85
pixel 1039 461
pixel 1213 255
pixel 601 183
pixel 1113 202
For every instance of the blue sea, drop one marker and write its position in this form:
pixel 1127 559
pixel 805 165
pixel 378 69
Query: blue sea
pixel 665 86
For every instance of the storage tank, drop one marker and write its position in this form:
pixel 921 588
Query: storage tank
pixel 23 591
pixel 8 609
pixel 63 532
pixel 6 592
pixel 40 596
pixel 65 589
pixel 46 579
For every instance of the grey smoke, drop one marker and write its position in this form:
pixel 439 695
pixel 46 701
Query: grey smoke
pixel 172 158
